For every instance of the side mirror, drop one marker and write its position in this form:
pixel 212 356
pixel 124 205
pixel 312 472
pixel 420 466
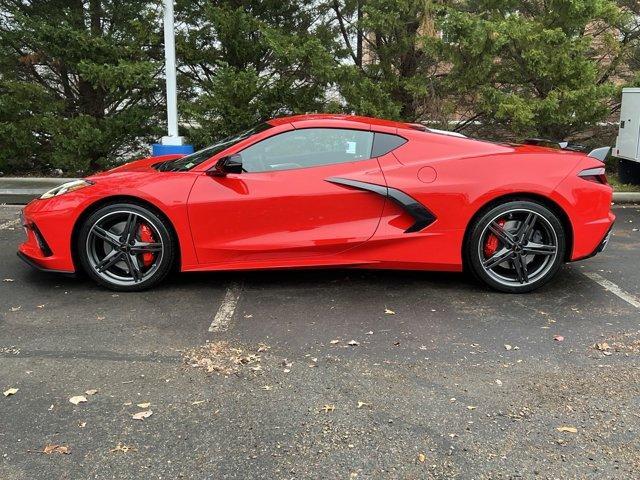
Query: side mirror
pixel 230 164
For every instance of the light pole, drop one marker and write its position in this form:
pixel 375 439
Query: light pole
pixel 172 143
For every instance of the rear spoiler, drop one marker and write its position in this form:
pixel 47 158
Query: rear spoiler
pixel 598 153
pixel 543 142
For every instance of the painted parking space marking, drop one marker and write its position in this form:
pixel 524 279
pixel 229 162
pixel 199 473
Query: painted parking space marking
pixel 613 288
pixel 9 224
pixel 227 308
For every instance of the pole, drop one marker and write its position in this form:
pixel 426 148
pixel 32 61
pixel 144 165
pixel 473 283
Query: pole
pixel 172 143
pixel 170 70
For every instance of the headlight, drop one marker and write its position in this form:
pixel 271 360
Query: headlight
pixel 66 188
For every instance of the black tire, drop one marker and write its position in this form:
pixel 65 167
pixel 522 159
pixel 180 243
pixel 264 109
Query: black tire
pixel 104 240
pixel 517 265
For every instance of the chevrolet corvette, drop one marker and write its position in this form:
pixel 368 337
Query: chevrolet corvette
pixel 329 191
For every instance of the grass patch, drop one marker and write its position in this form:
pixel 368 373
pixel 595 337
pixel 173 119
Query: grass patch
pixel 619 186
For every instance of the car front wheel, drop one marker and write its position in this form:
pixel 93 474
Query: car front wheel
pixel 125 247
pixel 516 246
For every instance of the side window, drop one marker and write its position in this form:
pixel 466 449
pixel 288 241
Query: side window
pixel 383 143
pixel 308 147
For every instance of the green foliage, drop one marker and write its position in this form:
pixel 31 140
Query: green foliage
pixel 543 67
pixel 246 62
pixel 78 84
pixel 81 81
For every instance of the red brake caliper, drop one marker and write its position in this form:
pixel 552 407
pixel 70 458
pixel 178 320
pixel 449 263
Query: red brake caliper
pixel 492 242
pixel 146 235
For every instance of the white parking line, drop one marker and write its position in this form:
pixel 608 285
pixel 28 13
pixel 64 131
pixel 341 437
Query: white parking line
pixel 9 224
pixel 613 288
pixel 227 308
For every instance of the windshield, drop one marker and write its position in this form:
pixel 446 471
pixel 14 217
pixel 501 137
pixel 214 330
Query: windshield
pixel 195 159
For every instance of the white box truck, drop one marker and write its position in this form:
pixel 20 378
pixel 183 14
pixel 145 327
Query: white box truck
pixel 627 148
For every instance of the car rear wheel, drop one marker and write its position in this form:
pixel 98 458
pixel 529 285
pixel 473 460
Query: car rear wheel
pixel 125 247
pixel 516 246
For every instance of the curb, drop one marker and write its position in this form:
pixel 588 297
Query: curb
pixel 626 197
pixel 18 191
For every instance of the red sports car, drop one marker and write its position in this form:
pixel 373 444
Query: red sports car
pixel 326 191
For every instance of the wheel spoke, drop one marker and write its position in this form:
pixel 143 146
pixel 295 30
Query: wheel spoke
pixel 539 249
pixel 105 235
pixel 526 227
pixel 109 260
pixel 505 237
pixel 130 228
pixel 145 247
pixel 520 267
pixel 497 258
pixel 133 266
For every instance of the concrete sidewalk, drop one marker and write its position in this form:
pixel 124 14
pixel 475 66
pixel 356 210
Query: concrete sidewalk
pixel 18 191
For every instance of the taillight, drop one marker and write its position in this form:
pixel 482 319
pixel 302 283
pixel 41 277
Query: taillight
pixel 596 175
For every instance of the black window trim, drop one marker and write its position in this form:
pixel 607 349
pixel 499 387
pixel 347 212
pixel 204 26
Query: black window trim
pixel 388 151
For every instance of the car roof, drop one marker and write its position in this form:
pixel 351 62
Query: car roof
pixel 340 117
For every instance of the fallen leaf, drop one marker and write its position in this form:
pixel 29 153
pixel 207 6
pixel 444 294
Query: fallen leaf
pixel 602 346
pixel 559 338
pixel 93 391
pixel 82 424
pixel 144 405
pixel 328 408
pixel 333 342
pixel 10 391
pixel 78 399
pixel 422 457
pixel 353 343
pixel 122 448
pixel 389 311
pixel 567 429
pixel 142 415
pixel 53 448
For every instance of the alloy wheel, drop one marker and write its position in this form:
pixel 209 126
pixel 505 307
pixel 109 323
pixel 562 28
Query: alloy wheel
pixel 124 248
pixel 518 247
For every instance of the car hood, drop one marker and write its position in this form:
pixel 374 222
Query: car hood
pixel 142 165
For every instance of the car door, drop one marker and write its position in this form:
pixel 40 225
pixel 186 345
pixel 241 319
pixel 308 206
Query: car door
pixel 283 206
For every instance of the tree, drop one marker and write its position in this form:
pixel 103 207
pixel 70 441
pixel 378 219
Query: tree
pixel 243 62
pixel 79 85
pixel 546 68
pixel 398 64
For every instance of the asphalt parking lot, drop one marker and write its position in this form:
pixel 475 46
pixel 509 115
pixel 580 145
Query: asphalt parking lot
pixel 322 374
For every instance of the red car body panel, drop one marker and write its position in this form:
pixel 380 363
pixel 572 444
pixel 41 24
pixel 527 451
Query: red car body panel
pixel 296 218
